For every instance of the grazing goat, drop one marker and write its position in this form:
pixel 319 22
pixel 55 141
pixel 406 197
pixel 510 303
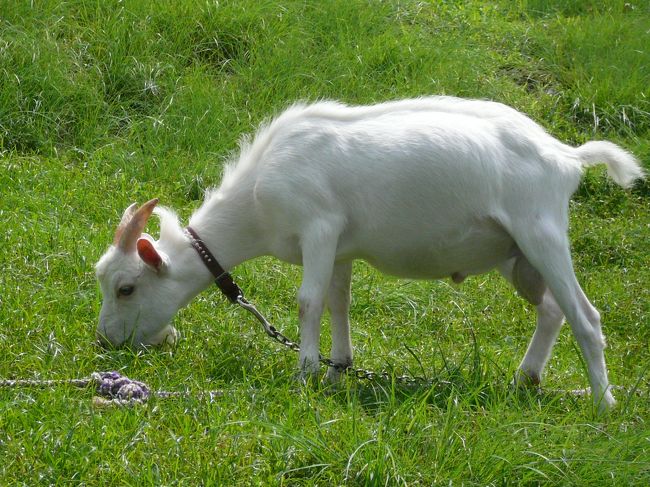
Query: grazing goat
pixel 424 188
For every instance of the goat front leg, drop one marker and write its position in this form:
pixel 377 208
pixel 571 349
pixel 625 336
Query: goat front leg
pixel 318 252
pixel 338 302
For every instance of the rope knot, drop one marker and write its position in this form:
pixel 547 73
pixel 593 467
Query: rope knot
pixel 113 387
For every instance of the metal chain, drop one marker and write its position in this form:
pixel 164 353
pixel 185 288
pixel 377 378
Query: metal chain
pixel 363 374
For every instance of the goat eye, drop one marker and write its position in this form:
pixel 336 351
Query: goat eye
pixel 126 290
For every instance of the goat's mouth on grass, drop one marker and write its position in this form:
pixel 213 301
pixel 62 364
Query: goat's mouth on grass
pixel 166 338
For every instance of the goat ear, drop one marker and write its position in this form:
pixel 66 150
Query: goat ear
pixel 135 226
pixel 149 254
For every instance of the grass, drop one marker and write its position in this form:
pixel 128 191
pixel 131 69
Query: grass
pixel 105 103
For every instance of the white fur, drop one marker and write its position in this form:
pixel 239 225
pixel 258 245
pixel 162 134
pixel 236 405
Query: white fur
pixel 421 188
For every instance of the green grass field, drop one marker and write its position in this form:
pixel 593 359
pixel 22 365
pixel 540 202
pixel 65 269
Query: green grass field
pixel 106 103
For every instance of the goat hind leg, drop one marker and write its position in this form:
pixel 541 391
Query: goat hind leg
pixel 549 322
pixel 546 246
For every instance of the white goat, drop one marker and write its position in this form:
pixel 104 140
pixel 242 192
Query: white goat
pixel 422 188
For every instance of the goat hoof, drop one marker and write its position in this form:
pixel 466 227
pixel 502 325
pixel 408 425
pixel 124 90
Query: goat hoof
pixel 604 402
pixel 306 377
pixel 526 380
pixel 334 375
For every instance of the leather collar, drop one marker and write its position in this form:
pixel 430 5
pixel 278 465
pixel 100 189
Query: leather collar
pixel 222 278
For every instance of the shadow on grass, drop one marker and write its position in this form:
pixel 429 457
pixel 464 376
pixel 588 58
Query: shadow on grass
pixel 472 383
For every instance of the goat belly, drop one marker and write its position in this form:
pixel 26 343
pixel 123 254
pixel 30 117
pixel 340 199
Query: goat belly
pixel 471 250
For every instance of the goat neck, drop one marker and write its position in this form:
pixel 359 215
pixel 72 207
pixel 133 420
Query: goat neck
pixel 227 223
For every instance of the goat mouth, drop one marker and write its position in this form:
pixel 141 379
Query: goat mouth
pixel 166 338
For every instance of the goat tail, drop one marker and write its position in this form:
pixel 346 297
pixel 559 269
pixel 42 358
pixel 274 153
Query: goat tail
pixel 622 166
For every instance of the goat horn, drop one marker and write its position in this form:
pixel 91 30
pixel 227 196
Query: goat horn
pixel 133 229
pixel 126 218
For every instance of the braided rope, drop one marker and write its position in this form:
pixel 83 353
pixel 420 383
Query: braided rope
pixel 114 389
pixel 111 388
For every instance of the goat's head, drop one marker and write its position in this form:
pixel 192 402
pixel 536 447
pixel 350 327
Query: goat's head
pixel 141 290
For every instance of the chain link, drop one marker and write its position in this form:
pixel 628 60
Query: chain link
pixel 362 374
